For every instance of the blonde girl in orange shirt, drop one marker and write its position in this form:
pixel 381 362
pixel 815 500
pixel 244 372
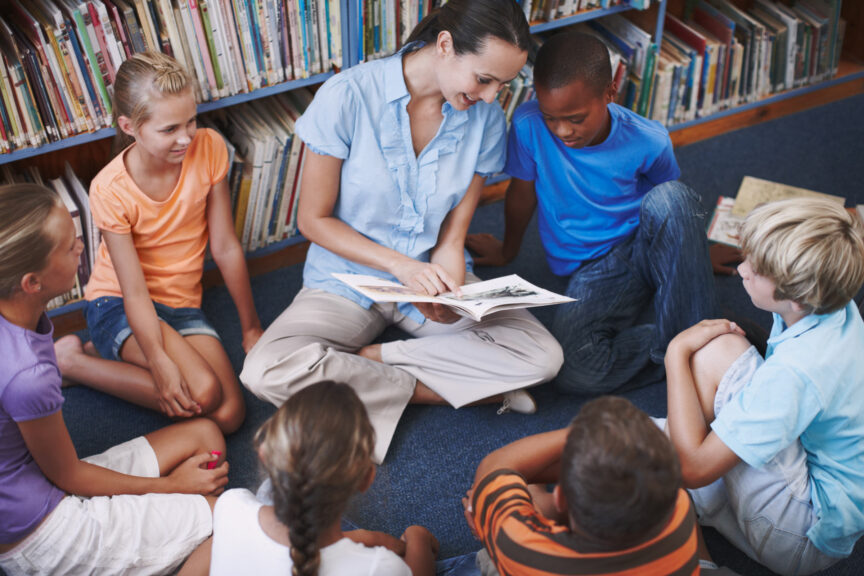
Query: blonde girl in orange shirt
pixel 156 203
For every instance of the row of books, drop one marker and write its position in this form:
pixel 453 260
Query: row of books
pixel 60 57
pixel 74 195
pixel 266 165
pixel 721 56
pixel 384 25
pixel 718 57
pixel 539 10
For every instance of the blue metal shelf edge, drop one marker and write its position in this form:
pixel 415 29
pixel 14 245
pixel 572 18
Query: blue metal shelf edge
pixel 103 133
pixel 770 100
pixel 580 17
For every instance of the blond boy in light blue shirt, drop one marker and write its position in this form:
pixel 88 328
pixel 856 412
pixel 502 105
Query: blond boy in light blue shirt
pixel 773 449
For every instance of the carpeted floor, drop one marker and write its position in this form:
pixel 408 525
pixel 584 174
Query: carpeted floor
pixel 433 456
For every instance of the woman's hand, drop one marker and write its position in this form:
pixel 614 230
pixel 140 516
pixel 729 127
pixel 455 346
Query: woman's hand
pixel 431 279
pixel 191 477
pixel 175 399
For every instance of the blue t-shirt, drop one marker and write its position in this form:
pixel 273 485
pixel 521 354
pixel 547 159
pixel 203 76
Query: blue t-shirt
pixel 588 198
pixel 811 387
pixel 388 194
pixel 29 389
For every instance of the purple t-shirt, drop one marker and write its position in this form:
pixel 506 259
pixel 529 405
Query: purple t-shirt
pixel 29 389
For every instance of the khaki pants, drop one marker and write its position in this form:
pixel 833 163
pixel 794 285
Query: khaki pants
pixel 317 336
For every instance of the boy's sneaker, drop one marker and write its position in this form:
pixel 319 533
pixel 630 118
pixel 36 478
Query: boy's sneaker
pixel 518 401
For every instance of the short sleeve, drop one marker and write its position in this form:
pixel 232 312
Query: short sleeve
pixel 327 125
pixel 109 212
pixel 520 160
pixel 760 421
pixel 496 498
pixel 33 393
pixel 493 149
pixel 215 156
pixel 665 167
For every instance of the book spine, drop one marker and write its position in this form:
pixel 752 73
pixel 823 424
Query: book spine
pixel 195 17
pixel 215 55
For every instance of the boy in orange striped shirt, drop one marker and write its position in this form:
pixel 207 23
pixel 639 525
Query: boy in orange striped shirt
pixel 618 508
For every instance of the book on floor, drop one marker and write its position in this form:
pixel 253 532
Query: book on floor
pixel 478 299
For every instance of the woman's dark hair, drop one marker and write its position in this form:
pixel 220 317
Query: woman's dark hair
pixel 317 450
pixel 471 22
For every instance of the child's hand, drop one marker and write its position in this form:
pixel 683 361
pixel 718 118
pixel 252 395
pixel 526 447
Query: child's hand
pixel 437 312
pixel 250 337
pixel 174 397
pixel 487 249
pixel 421 537
pixel 694 338
pixel 468 511
pixel 191 477
pixel 722 255
pixel 424 277
pixel 372 538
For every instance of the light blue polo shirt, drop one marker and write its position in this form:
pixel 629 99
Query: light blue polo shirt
pixel 588 198
pixel 388 194
pixel 811 387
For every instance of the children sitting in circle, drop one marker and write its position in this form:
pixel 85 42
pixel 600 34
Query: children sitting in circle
pixel 620 499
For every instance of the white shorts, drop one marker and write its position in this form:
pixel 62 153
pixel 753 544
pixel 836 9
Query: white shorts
pixel 150 534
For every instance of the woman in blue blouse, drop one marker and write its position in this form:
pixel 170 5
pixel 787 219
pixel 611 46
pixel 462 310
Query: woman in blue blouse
pixel 397 153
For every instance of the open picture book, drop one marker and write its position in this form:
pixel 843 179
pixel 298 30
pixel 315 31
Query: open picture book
pixel 478 299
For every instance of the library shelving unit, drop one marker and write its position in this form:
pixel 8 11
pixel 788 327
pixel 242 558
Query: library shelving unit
pixel 88 152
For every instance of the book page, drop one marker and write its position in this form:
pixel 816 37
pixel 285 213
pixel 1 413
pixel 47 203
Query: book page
pixel 755 191
pixel 725 227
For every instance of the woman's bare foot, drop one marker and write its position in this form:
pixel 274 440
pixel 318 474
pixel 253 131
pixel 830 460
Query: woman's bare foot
pixel 68 350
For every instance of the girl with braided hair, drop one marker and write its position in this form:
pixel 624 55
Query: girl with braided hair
pixel 157 203
pixel 317 451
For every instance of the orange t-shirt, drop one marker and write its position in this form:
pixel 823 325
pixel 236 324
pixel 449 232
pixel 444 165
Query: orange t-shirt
pixel 522 542
pixel 170 237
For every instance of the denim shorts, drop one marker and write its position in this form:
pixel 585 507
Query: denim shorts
pixel 109 328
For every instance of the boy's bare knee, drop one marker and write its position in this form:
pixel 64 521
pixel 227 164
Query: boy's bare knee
pixel 710 363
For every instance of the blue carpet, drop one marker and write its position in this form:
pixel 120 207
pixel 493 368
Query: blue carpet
pixel 436 449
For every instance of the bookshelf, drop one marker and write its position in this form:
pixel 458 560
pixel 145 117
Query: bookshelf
pixel 89 151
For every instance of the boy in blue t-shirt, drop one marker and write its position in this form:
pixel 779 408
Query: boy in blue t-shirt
pixel 611 217
pixel 776 446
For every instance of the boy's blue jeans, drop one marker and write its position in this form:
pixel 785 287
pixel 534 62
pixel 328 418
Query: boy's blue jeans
pixel 665 262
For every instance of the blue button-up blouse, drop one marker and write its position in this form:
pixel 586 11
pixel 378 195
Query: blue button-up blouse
pixel 388 194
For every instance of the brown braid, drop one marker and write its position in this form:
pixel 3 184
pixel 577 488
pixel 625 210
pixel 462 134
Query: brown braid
pixel 317 450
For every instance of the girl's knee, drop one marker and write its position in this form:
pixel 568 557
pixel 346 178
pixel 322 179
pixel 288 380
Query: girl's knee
pixel 230 415
pixel 207 391
pixel 206 434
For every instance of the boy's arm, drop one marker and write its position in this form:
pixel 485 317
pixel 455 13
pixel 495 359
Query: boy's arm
pixel 703 456
pixel 519 205
pixel 537 458
pixel 228 255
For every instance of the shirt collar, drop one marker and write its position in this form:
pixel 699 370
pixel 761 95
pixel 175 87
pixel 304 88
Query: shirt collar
pixel 781 333
pixel 394 80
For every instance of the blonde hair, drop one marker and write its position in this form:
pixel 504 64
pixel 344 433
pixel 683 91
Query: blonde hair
pixel 811 248
pixel 142 77
pixel 317 450
pixel 24 242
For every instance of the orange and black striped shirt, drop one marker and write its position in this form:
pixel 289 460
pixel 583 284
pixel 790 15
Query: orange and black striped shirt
pixel 522 542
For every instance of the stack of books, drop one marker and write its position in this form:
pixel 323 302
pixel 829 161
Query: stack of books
pixel 59 58
pixel 540 10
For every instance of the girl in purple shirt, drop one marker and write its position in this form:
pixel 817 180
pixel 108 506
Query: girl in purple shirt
pixel 138 508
